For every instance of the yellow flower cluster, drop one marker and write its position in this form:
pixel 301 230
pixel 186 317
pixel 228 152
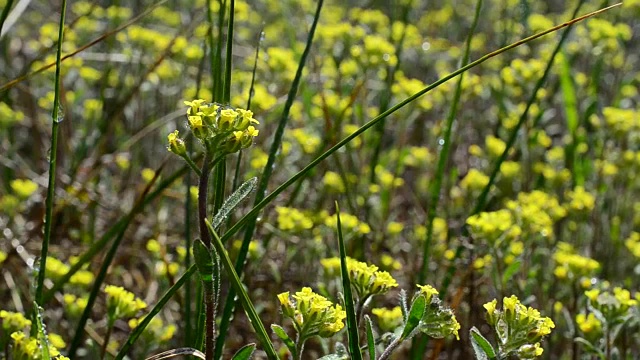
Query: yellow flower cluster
pixel 388 319
pixel 28 348
pixel 13 321
pixel 312 314
pixel 571 265
pixel 122 303
pixel 218 127
pixel 438 320
pixel 292 219
pixel 349 222
pixel 633 243
pixel 366 279
pixel 519 328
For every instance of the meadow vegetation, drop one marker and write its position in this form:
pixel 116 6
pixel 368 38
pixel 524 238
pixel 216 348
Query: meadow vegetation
pixel 317 179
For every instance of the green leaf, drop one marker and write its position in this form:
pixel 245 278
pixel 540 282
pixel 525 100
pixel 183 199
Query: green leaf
pixel 42 333
pixel 371 344
pixel 510 271
pixel 280 333
pixel 481 346
pixel 232 202
pixel 203 258
pixel 340 354
pixel 249 309
pixel 352 322
pixel 245 352
pixel 590 347
pixel 415 315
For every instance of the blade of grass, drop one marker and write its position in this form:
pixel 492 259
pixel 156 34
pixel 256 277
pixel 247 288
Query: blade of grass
pixel 250 310
pixel 226 94
pixel 482 199
pixel 264 181
pixel 102 274
pixel 5 14
pixel 352 322
pixel 418 344
pixel 571 113
pixel 56 117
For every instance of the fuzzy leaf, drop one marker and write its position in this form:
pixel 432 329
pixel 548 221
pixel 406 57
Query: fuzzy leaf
pixel 481 346
pixel 371 344
pixel 245 352
pixel 415 315
pixel 227 207
pixel 280 333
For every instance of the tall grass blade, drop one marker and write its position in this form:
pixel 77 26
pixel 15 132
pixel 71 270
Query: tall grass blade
pixel 226 94
pixel 571 114
pixel 264 181
pixel 482 199
pixel 435 187
pixel 249 309
pixel 56 117
pixel 352 322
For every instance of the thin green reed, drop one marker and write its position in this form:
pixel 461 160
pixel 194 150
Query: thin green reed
pixel 268 198
pixel 482 199
pixel 436 185
pixel 419 343
pixel 56 116
pixel 226 94
pixel 264 181
pixel 352 321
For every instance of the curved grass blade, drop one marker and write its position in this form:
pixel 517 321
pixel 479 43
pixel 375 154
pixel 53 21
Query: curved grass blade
pixel 177 352
pixel 56 117
pixel 482 199
pixel 135 334
pixel 264 181
pixel 250 310
pixel 267 199
pixel 352 322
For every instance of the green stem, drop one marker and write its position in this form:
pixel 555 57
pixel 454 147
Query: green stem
pixel 105 344
pixel 57 118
